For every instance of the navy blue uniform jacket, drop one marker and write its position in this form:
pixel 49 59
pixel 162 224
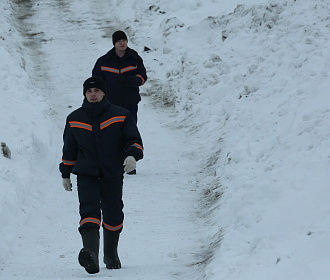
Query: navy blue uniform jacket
pixel 97 138
pixel 113 69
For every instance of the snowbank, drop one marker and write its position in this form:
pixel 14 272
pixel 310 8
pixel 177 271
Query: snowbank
pixel 26 129
pixel 252 86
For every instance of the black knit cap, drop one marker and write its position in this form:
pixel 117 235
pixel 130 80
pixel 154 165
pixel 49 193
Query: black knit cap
pixel 95 82
pixel 118 35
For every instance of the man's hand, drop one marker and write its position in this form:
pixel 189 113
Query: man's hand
pixel 130 164
pixel 66 182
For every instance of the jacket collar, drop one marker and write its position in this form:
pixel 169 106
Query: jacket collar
pixel 96 108
pixel 129 53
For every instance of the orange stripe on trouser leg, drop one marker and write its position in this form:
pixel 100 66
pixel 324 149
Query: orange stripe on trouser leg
pixel 108 227
pixel 90 220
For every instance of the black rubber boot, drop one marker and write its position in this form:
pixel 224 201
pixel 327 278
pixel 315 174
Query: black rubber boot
pixel 110 242
pixel 89 254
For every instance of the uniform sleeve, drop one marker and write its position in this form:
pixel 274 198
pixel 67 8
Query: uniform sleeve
pixel 141 75
pixel 70 152
pixel 132 139
pixel 97 70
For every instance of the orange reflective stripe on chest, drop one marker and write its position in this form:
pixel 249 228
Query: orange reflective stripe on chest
pixel 112 121
pixel 109 69
pixel 118 71
pixel 81 125
pixel 129 68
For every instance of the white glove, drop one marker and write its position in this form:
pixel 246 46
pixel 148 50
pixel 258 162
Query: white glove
pixel 130 164
pixel 66 182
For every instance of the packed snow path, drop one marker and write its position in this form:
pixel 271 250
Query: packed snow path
pixel 159 232
pixel 160 238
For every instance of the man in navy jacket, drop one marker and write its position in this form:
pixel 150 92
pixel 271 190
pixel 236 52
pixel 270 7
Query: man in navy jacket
pixel 124 72
pixel 101 142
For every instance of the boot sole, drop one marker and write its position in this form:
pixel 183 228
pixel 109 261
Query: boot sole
pixel 113 265
pixel 86 261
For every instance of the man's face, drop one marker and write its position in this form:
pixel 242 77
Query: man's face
pixel 121 45
pixel 94 95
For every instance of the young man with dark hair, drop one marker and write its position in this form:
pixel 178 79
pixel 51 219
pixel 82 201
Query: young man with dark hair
pixel 101 142
pixel 123 70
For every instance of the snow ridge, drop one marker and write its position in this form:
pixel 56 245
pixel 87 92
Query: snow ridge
pixel 252 86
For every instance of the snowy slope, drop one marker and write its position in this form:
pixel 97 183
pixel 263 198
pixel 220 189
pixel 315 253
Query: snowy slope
pixel 26 127
pixel 243 184
pixel 255 82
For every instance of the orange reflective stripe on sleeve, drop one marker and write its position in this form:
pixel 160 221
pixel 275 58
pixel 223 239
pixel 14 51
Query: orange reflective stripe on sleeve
pixel 69 162
pixel 108 227
pixel 136 145
pixel 90 220
pixel 112 121
pixel 81 125
pixel 141 79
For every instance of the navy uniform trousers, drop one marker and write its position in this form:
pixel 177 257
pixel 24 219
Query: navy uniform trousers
pixel 100 199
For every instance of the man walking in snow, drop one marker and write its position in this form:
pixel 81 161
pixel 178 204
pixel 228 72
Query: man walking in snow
pixel 101 141
pixel 123 70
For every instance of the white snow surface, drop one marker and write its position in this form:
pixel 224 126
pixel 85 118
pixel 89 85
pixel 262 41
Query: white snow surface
pixel 235 119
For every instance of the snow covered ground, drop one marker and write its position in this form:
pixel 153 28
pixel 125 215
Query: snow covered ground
pixel 235 120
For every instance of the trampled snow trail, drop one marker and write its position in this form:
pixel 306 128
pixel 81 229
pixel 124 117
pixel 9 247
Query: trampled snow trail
pixel 160 234
pixel 159 237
